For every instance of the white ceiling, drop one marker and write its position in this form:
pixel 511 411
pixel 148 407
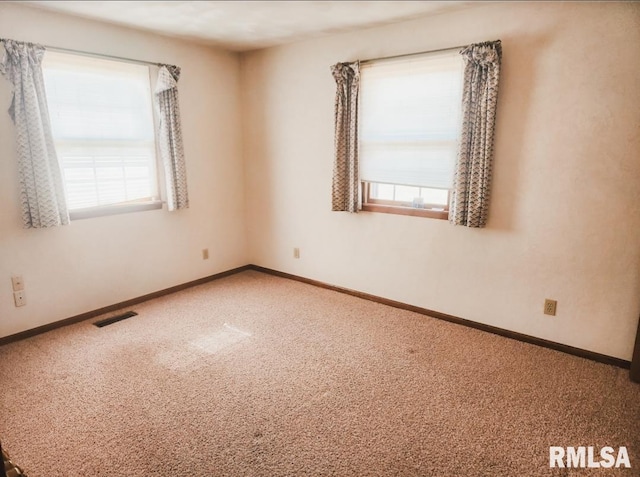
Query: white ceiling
pixel 247 25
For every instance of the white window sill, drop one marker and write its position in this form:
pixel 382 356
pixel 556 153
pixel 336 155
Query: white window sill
pixel 101 211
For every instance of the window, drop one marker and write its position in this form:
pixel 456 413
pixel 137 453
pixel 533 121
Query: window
pixel 410 111
pixel 102 124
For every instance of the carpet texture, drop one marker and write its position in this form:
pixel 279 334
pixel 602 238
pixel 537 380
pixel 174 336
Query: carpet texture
pixel 254 375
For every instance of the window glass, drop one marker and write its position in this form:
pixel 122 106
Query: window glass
pixel 410 112
pixel 102 124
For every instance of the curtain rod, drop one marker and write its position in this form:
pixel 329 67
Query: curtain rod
pixel 370 60
pixel 95 55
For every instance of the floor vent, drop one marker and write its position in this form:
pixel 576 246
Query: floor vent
pixel 115 319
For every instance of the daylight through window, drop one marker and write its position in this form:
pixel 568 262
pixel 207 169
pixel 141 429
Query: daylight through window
pixel 102 123
pixel 410 111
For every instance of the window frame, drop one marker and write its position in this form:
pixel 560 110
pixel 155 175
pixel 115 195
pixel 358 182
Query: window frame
pixel 154 202
pixel 370 204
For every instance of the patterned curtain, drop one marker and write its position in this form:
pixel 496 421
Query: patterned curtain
pixel 170 137
pixel 41 186
pixel 345 168
pixel 470 198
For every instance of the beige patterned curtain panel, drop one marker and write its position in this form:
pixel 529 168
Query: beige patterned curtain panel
pixel 345 169
pixel 170 137
pixel 470 197
pixel 41 186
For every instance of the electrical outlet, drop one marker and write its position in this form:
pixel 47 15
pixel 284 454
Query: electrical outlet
pixel 550 307
pixel 17 283
pixel 296 252
pixel 205 254
pixel 19 298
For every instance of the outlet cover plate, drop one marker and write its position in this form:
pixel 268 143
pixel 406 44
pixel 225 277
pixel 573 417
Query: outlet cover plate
pixel 17 283
pixel 550 307
pixel 19 298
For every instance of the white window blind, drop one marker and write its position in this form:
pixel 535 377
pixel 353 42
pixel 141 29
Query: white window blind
pixel 102 123
pixel 410 119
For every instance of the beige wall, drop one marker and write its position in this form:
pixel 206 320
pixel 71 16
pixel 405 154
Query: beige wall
pixel 564 222
pixel 102 261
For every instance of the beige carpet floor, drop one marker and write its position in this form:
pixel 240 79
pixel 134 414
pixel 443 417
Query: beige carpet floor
pixel 254 375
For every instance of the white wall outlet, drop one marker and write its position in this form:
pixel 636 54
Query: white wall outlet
pixel 19 298
pixel 296 252
pixel 17 283
pixel 205 254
